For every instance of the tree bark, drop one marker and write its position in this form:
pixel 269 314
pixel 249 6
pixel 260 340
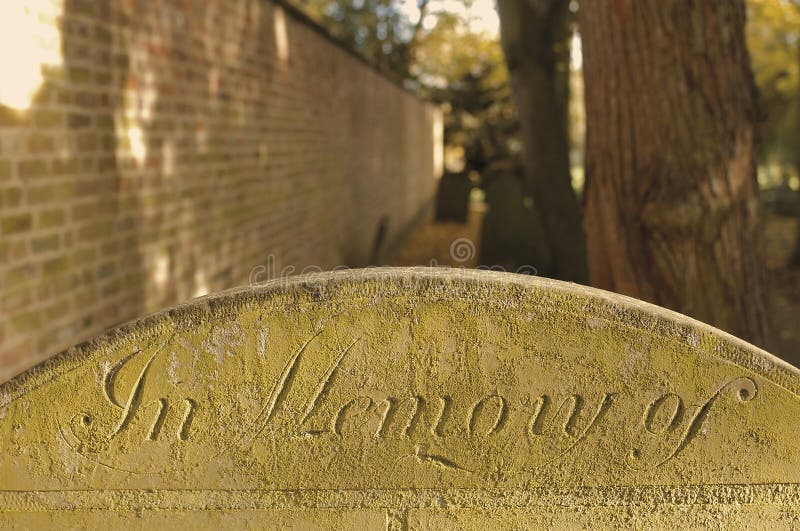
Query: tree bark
pixel 672 204
pixel 794 260
pixel 535 38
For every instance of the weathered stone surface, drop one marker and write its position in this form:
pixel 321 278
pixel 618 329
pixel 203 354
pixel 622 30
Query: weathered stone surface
pixel 391 398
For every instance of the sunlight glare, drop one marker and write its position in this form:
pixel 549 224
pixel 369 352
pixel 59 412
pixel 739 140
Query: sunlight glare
pixel 28 41
pixel 161 270
pixel 200 285
pixel 281 36
pixel 483 17
pixel 438 144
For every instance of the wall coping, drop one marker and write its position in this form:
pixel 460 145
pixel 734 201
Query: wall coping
pixel 302 17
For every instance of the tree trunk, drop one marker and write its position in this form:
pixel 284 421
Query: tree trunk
pixel 794 260
pixel 535 38
pixel 672 203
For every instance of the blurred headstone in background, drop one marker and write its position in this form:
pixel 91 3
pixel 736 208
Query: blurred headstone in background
pixel 452 198
pixel 512 234
pixel 781 199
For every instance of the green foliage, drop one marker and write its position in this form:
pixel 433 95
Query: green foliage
pixel 450 51
pixel 773 39
pixel 377 29
pixel 437 55
pixel 466 72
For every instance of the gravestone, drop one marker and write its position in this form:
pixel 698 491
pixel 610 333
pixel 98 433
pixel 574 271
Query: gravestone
pixel 452 197
pixel 404 398
pixel 512 235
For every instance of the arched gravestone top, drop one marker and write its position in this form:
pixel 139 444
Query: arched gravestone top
pixel 397 398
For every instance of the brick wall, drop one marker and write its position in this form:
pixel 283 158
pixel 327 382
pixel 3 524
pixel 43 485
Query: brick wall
pixel 171 147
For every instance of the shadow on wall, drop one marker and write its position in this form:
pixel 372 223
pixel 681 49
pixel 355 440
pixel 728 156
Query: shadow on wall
pixel 134 232
pixel 168 149
pixel 69 267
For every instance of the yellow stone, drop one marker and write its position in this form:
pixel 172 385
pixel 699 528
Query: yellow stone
pixel 404 398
